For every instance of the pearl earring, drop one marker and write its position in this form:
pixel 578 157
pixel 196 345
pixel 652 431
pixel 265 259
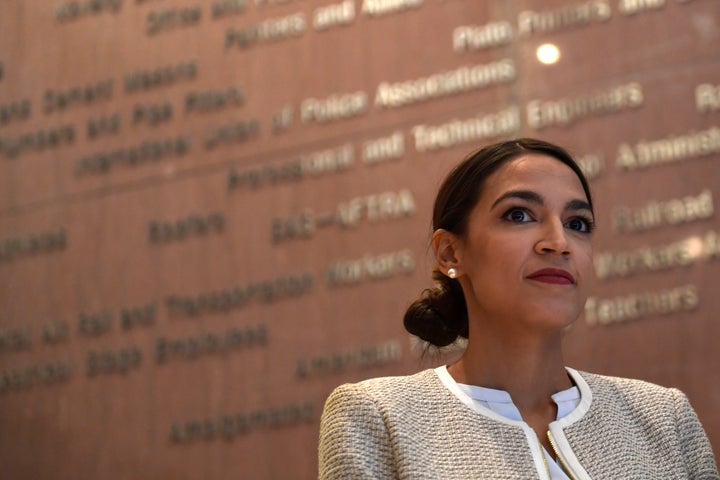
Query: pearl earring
pixel 452 273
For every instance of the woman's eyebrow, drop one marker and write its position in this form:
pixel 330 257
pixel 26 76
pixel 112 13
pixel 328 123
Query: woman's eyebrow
pixel 578 205
pixel 528 195
pixel 534 197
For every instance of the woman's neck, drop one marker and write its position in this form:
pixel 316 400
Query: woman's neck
pixel 530 368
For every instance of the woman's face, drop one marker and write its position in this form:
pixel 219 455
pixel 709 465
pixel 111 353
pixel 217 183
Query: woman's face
pixel 527 252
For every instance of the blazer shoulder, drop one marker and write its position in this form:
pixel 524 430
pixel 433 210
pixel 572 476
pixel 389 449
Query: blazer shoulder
pixel 629 385
pixel 637 394
pixel 395 390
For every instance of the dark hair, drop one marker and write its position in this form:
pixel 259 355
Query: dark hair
pixel 439 316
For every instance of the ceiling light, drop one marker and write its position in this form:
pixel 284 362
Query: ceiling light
pixel 548 53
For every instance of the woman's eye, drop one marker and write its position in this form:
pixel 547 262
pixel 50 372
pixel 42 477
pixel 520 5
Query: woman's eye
pixel 518 215
pixel 580 224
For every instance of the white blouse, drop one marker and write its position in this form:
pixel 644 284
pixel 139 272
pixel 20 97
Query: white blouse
pixel 499 401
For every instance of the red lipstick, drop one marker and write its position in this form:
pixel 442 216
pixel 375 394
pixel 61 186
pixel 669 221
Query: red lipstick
pixel 555 276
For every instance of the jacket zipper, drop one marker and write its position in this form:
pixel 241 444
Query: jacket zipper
pixel 557 455
pixel 542 454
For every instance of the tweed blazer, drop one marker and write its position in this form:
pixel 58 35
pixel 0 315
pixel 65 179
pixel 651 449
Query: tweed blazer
pixel 417 427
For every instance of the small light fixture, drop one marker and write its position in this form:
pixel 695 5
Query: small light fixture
pixel 695 247
pixel 548 53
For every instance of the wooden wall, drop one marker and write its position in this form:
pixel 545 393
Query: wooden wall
pixel 213 213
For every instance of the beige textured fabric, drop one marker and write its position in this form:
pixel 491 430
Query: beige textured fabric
pixel 413 427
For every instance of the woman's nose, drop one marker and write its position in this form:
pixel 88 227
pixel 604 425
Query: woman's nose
pixel 553 239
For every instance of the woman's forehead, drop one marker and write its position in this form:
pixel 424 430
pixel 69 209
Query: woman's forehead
pixel 539 171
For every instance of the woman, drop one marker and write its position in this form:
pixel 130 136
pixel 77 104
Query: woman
pixel 512 239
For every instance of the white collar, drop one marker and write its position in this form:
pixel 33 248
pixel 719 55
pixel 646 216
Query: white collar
pixel 576 414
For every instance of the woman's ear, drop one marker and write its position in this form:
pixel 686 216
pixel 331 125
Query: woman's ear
pixel 448 251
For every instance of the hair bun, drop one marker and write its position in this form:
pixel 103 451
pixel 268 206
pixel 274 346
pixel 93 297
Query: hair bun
pixel 439 316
